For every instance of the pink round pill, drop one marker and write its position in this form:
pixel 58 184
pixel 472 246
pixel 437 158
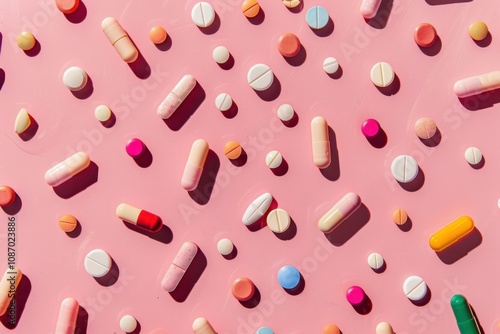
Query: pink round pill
pixel 355 295
pixel 370 128
pixel 135 147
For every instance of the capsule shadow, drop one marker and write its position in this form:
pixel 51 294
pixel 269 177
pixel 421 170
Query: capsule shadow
pixel 347 229
pixel 111 277
pixel 481 101
pixel 164 235
pixel 254 301
pixel 461 248
pixel 202 193
pixel 79 15
pixel 191 276
pixel 186 109
pixel 79 182
pixel 140 66
pixel 332 172
pixel 21 297
pixel 382 17
pixel 2 78
pixel 444 2
pixel 82 321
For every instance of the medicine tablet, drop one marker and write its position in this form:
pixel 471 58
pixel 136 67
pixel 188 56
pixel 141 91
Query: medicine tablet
pixel 158 34
pixel 399 216
pixel 317 17
pixel 384 328
pixel 285 112
pixel 26 41
pixel 473 156
pixel 257 209
pixel 264 330
pixel 67 6
pixel 289 45
pixel 278 220
pixel 102 113
pixel 203 14
pixel 375 261
pixel 415 288
pixel 128 323
pixel 23 121
pixel 330 65
pixel 243 289
pixel 233 150
pixel 404 168
pixel 331 329
pixel 274 159
pixel 425 128
pixel 220 54
pixel 75 78
pixel 425 35
pixel 250 8
pixel 7 195
pixel 260 77
pixel 98 263
pixel 223 102
pixel 288 277
pixel 382 74
pixel 291 3
pixel 68 223
pixel 355 295
pixel 478 30
pixel 370 128
pixel 202 326
pixel 225 246
pixel 135 147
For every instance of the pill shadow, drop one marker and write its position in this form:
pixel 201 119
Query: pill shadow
pixel 326 30
pixel 365 307
pixel 349 227
pixel 290 233
pixel 257 19
pixel 166 45
pixel 416 184
pixel 481 101
pixel 486 41
pixel 406 227
pixel 31 131
pixel 338 74
pixel 293 122
pixel 111 277
pixel 164 235
pixel 480 164
pixel 381 269
pixel 202 193
pixel 434 49
pixel 137 329
pixel 424 301
pixel 76 232
pixel 481 330
pixel 186 109
pixel 444 2
pixel 191 276
pixel 231 255
pixel 82 321
pixel 231 112
pixel 35 50
pixel 79 15
pixel 86 91
pixel 110 122
pixel 1 40
pixel 140 66
pixel 332 172
pixel 21 297
pixel 393 88
pixel 145 159
pixel 299 288
pixel 228 64
pixel 2 78
pixel 297 9
pixel 379 140
pixel 14 207
pixel 272 92
pixel 380 20
pixel 298 59
pixel 461 248
pixel 434 140
pixel 241 160
pixel 281 169
pixel 254 301
pixel 79 182
pixel 213 28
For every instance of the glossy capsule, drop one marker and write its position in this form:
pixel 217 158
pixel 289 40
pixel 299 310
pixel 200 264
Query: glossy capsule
pixel 339 212
pixel 451 233
pixel 66 169
pixel 194 165
pixel 68 313
pixel 119 38
pixel 320 142
pixel 138 217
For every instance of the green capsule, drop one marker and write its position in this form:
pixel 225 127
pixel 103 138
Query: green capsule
pixel 465 320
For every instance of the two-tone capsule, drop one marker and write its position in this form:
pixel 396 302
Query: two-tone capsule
pixel 119 38
pixel 179 266
pixel 66 169
pixel 339 212
pixel 195 164
pixel 139 217
pixel 320 142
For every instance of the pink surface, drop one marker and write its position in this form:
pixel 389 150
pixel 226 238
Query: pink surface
pixel 53 261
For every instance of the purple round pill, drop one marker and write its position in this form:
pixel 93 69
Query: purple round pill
pixel 355 295
pixel 370 127
pixel 135 147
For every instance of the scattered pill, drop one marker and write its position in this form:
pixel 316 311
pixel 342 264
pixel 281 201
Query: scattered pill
pixel 473 156
pixel 98 263
pixel 225 247
pixel 331 329
pixel 317 17
pixel 68 314
pixel 26 41
pixel 250 8
pixel 289 45
pixel 415 288
pixel 466 322
pixel 291 3
pixel 194 165
pixel 339 212
pixel 128 323
pixel 66 169
pixel 477 84
pixel 10 281
pixel 135 147
pixel 285 112
pixel 278 220
pixel 233 150
pixel 382 74
pixel 451 233
pixel 158 35
pixel 179 266
pixel 67 6
pixel 355 295
pixel 102 113
pixel 320 142
pixel 384 328
pixel 425 35
pixel 370 128
pixel 138 217
pixel 7 195
pixel 288 277
pixel 478 30
pixel 202 326
pixel 425 128
pixel 75 78
pixel 274 159
pixel 221 54
pixel 223 102
pixel 68 223
pixel 369 8
pixel 243 289
pixel 404 168
pixel 257 209
pixel 119 38
pixel 399 216
pixel 330 65
pixel 375 261
pixel 203 14
pixel 260 77
pixel 22 122
pixel 264 330
pixel 176 96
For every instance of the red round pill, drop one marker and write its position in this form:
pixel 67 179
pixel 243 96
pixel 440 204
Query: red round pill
pixel 67 6
pixel 7 195
pixel 425 35
pixel 288 45
pixel 243 289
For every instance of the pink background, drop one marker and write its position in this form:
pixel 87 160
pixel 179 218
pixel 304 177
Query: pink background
pixel 53 262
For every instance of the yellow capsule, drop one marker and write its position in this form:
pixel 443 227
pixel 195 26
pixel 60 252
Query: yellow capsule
pixel 451 233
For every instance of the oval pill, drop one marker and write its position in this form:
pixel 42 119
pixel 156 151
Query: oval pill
pixel 473 155
pixel 425 128
pixel 158 35
pixel 274 159
pixel 223 102
pixel 179 266
pixel 128 323
pixel 286 112
pixel 203 14
pixel 415 288
pixel 67 169
pixel 451 233
pixel 250 8
pixel 288 277
pixel 260 77
pixel 289 45
pixel 194 165
pixel 278 220
pixel 399 217
pixel 202 326
pixel 425 35
pixel 10 279
pixel 375 261
pixel 317 17
pixel 233 150
pixel 404 168
pixel 176 96
pixel 67 6
pixel 384 328
pixel 320 142
pixel 7 196
pixel 98 263
pixel 339 212
pixel 23 121
pixel 257 209
pixel 68 223
pixel 68 314
pixel 102 113
pixel 225 246
pixel 382 74
pixel 331 329
pixel 243 289
pixel 26 41
pixel 221 54
pixel 119 38
pixel 330 65
pixel 75 78
pixel 478 30
pixel 138 217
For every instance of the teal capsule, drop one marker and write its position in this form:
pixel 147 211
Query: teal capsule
pixel 465 320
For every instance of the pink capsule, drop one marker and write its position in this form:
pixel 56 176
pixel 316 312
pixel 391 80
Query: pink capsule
pixel 179 266
pixel 176 96
pixel 478 84
pixel 369 8
pixel 67 169
pixel 68 313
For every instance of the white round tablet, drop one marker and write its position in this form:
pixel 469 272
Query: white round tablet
pixel 473 155
pixel 404 168
pixel 382 74
pixel 330 65
pixel 375 261
pixel 102 113
pixel 75 78
pixel 415 288
pixel 274 159
pixel 278 220
pixel 203 14
pixel 260 77
pixel 98 263
pixel 285 112
pixel 225 246
pixel 220 54
pixel 128 323
pixel 223 102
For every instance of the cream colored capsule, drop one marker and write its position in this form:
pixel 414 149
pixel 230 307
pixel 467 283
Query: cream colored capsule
pixel 195 164
pixel 202 326
pixel 119 38
pixel 320 142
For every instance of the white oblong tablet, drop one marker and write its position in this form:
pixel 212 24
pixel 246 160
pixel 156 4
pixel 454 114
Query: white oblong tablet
pixel 98 263
pixel 220 54
pixel 260 77
pixel 382 74
pixel 285 112
pixel 128 323
pixel 203 14
pixel 473 155
pixel 257 209
pixel 225 246
pixel 22 122
pixel 330 65
pixel 223 102
pixel 415 288
pixel 102 113
pixel 278 220
pixel 274 159
pixel 375 261
pixel 404 168
pixel 75 78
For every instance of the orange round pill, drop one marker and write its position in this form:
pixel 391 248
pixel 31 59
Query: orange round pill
pixel 67 6
pixel 7 195
pixel 232 150
pixel 250 8
pixel 399 216
pixel 331 329
pixel 425 35
pixel 68 223
pixel 288 45
pixel 158 34
pixel 242 289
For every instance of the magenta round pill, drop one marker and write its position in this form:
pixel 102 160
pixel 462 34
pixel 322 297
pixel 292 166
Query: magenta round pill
pixel 355 295
pixel 370 127
pixel 135 147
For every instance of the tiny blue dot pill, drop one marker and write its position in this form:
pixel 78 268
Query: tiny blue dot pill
pixel 264 330
pixel 317 17
pixel 288 277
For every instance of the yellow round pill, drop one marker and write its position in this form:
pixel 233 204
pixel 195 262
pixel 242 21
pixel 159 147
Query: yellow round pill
pixel 158 35
pixel 26 41
pixel 478 30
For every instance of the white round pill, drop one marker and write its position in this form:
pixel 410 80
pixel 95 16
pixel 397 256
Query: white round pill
pixel 98 263
pixel 285 112
pixel 203 14
pixel 415 288
pixel 278 220
pixel 375 261
pixel 260 77
pixel 128 323
pixel 382 74
pixel 225 246
pixel 75 78
pixel 404 168
pixel 102 113
pixel 473 155
pixel 220 54
pixel 274 159
pixel 223 102
pixel 330 65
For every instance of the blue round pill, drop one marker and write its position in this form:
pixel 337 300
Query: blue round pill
pixel 264 330
pixel 288 277
pixel 317 17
